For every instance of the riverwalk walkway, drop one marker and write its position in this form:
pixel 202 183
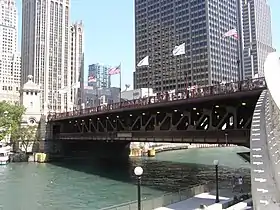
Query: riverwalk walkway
pixel 190 199
pixel 207 199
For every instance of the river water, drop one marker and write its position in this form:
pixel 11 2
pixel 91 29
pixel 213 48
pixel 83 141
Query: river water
pixel 89 185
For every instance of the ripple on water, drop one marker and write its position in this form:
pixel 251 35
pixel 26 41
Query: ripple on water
pixel 91 185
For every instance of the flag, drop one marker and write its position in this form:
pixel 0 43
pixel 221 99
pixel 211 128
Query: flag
pixel 115 70
pixel 232 32
pixel 144 62
pixel 76 85
pixel 66 89
pixel 179 50
pixel 91 78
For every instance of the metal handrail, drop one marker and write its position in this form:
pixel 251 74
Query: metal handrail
pixel 196 92
pixel 164 200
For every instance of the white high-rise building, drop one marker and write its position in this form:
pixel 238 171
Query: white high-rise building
pixel 257 36
pixel 46 50
pixel 9 58
pixel 77 65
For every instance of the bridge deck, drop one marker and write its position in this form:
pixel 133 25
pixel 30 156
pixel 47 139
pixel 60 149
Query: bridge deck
pixel 204 94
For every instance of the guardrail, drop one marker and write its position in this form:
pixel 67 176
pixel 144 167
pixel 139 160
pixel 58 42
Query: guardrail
pixel 165 200
pixel 196 92
pixel 273 137
pixel 265 192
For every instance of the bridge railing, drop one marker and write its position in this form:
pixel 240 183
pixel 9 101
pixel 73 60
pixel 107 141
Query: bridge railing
pixel 273 136
pixel 264 179
pixel 164 200
pixel 193 92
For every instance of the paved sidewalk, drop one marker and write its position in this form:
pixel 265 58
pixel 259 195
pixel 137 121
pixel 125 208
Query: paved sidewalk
pixel 204 198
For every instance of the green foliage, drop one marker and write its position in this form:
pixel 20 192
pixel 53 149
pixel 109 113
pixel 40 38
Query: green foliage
pixel 27 135
pixel 10 118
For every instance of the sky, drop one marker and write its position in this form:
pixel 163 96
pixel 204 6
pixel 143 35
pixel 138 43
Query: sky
pixel 109 33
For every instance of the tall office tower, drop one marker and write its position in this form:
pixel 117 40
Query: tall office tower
pixel 77 64
pixel 257 36
pixel 162 25
pixel 46 50
pixel 99 73
pixel 9 58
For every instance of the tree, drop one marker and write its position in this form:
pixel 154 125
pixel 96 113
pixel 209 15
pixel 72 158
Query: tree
pixel 10 118
pixel 27 136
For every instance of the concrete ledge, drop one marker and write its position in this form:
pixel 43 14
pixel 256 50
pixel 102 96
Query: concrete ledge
pixel 241 205
pixel 216 206
pixel 229 204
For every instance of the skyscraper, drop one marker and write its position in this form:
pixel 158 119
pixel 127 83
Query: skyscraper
pixel 100 74
pixel 257 36
pixel 9 57
pixel 209 58
pixel 77 64
pixel 46 50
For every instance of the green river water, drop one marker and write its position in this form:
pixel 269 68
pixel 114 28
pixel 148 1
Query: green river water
pixel 90 185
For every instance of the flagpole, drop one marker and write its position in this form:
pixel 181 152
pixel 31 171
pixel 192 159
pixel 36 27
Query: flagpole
pixel 230 51
pixel 239 42
pixel 150 75
pixel 120 82
pixel 97 94
pixel 175 57
pixel 148 68
pixel 176 63
pixel 176 74
pixel 187 84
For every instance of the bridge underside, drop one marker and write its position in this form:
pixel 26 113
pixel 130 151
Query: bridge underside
pixel 213 121
pixel 91 149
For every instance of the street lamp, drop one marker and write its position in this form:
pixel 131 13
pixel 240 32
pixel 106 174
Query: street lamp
pixel 226 137
pixel 216 163
pixel 138 171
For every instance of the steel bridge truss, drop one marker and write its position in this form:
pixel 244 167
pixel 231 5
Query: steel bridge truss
pixel 203 119
pixel 215 120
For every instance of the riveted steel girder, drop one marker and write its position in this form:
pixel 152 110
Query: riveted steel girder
pixel 198 121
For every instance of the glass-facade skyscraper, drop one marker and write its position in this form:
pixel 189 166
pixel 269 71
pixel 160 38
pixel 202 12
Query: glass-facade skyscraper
pixel 162 25
pixel 257 36
pixel 100 73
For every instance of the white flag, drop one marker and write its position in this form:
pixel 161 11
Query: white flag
pixel 76 85
pixel 179 50
pixel 66 89
pixel 232 32
pixel 144 62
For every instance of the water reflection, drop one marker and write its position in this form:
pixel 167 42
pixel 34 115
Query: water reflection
pixel 165 176
pixel 92 184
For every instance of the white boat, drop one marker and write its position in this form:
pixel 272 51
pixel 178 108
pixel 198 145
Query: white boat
pixel 4 154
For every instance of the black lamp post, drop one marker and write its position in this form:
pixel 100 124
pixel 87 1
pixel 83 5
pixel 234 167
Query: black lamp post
pixel 216 163
pixel 138 171
pixel 226 137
